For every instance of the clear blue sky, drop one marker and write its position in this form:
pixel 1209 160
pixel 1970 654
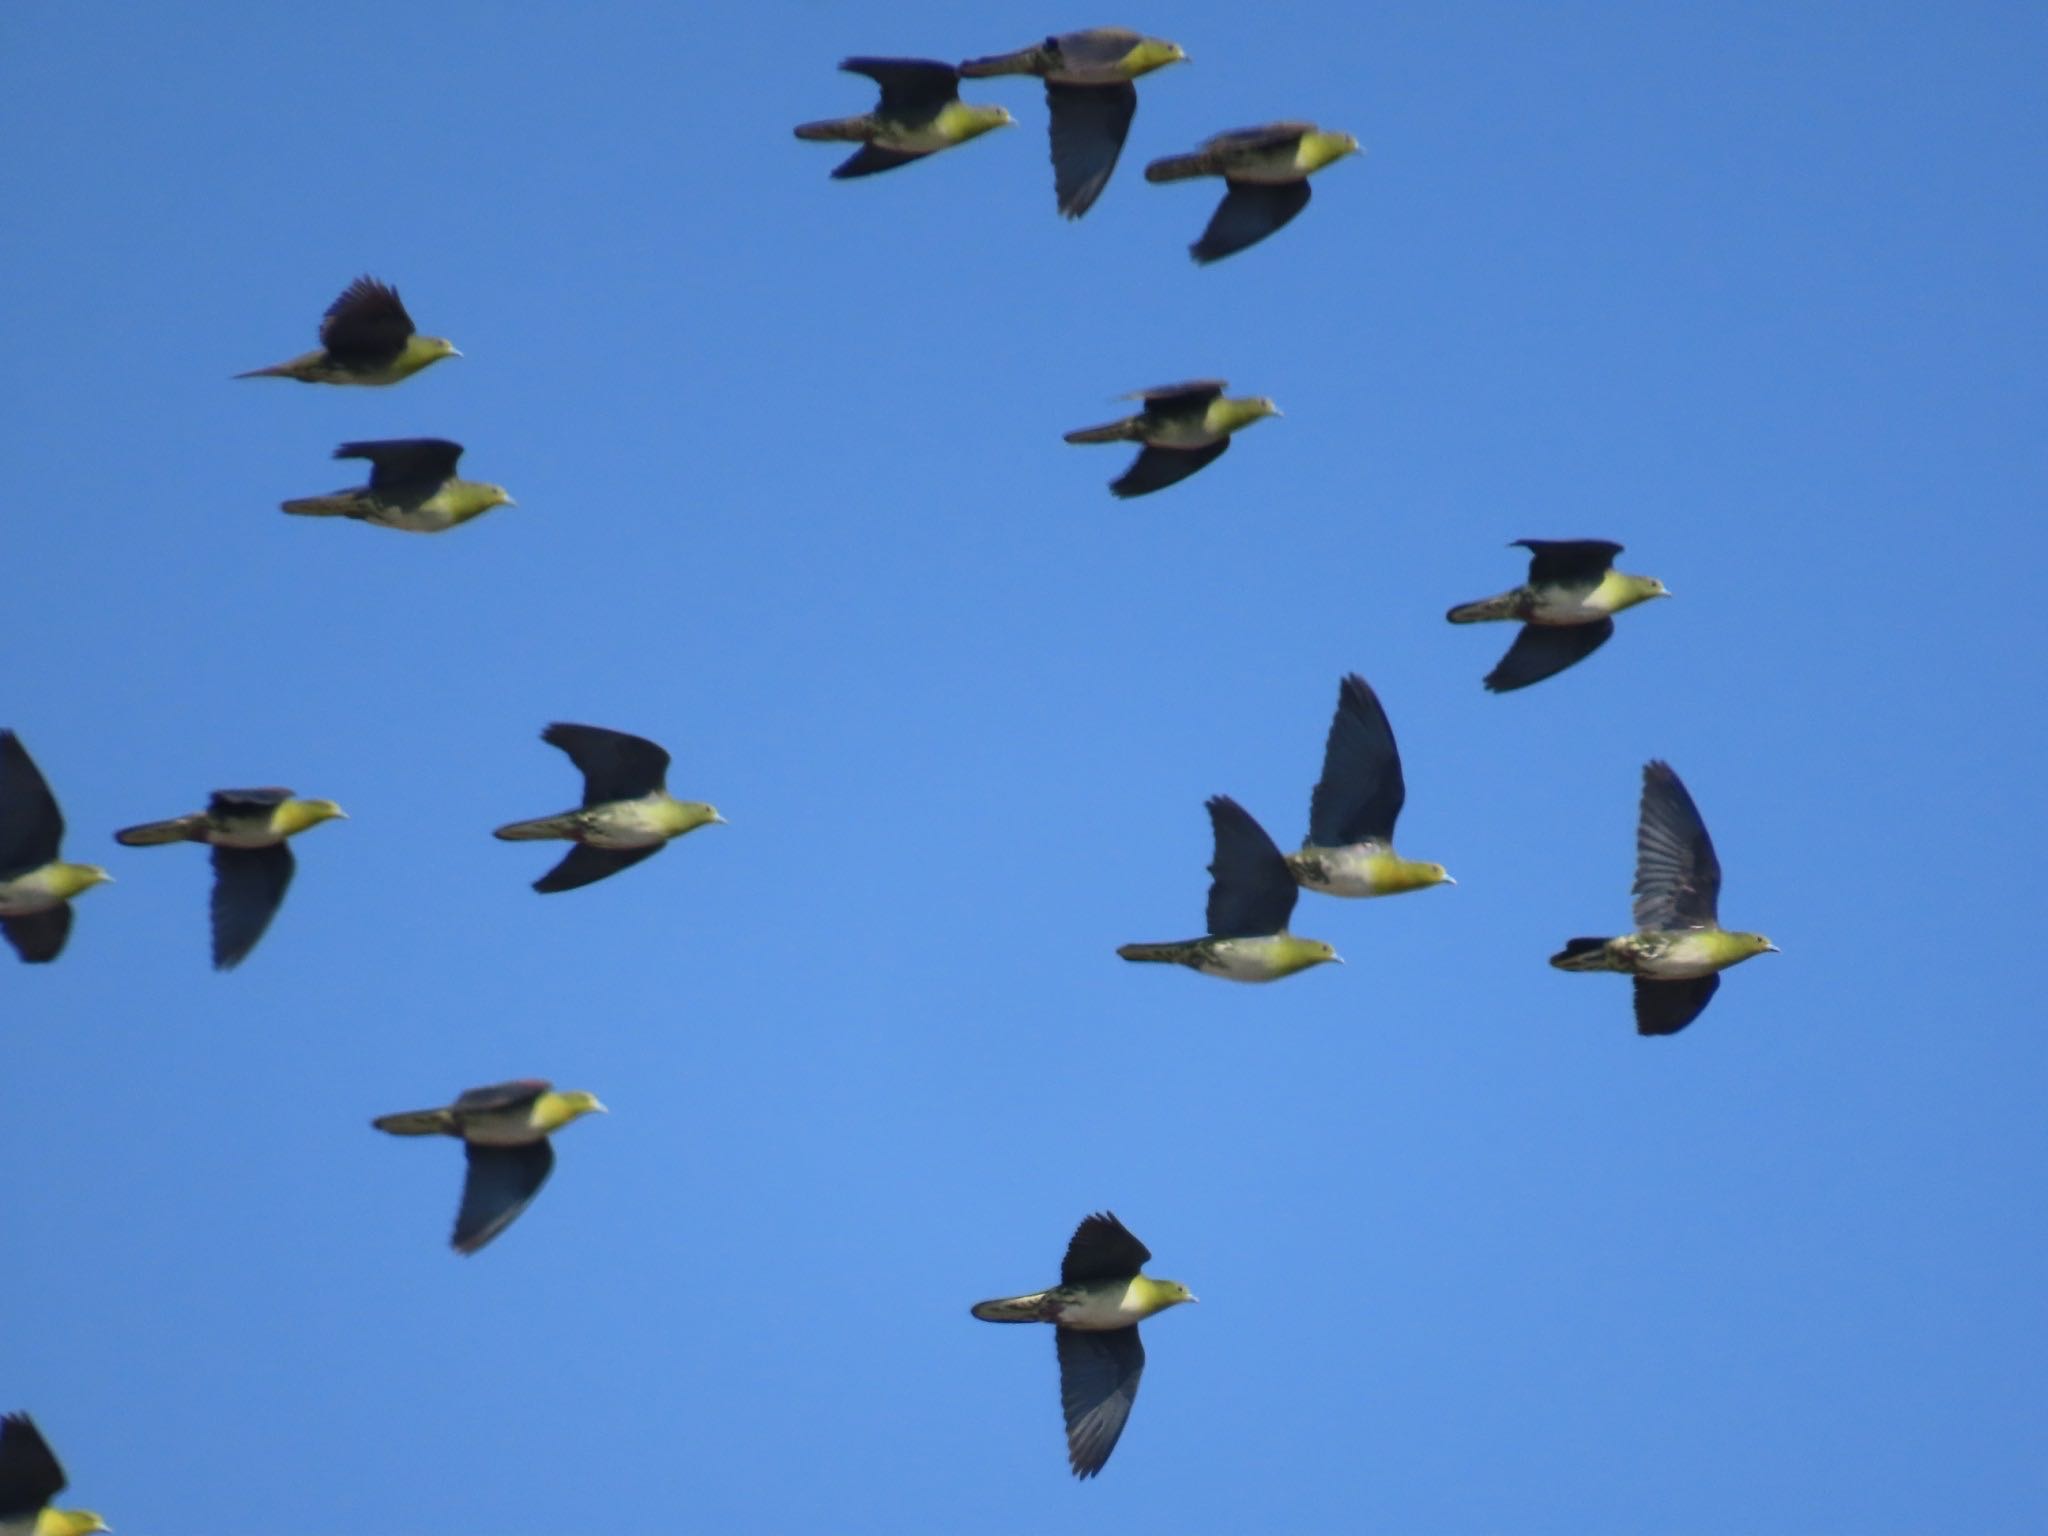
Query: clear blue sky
pixel 1757 293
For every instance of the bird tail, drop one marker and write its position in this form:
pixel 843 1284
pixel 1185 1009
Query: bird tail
pixel 1013 1309
pixel 179 829
pixel 1501 607
pixel 417 1122
pixel 1108 432
pixel 541 829
pixel 1019 63
pixel 274 371
pixel 1176 168
pixel 1158 954
pixel 849 129
pixel 342 505
pixel 1583 955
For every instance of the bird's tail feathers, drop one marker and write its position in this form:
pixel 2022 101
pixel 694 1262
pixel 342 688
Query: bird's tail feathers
pixel 416 1122
pixel 1175 168
pixel 848 129
pixel 322 506
pixel 1501 607
pixel 540 829
pixel 1582 955
pixel 274 371
pixel 1160 954
pixel 1019 63
pixel 1108 432
pixel 179 829
pixel 1013 1309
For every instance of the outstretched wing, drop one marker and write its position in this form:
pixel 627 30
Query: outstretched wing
pixel 29 1474
pixel 1155 468
pixel 1249 212
pixel 501 1183
pixel 1099 1374
pixel 400 461
pixel 1666 1007
pixel 31 826
pixel 39 937
pixel 615 766
pixel 1252 892
pixel 1568 562
pixel 1361 792
pixel 911 88
pixel 1089 125
pixel 1102 1248
pixel 1678 879
pixel 1544 650
pixel 585 865
pixel 248 888
pixel 367 325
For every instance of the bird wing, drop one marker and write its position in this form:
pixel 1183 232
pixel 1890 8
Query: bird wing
pixel 1249 212
pixel 39 936
pixel 1666 1007
pixel 1092 57
pixel 397 461
pixel 231 802
pixel 366 325
pixel 1178 399
pixel 585 865
pixel 614 765
pixel 871 158
pixel 1099 1374
pixel 1678 879
pixel 1544 650
pixel 1089 124
pixel 1361 792
pixel 501 1182
pixel 500 1096
pixel 1265 136
pixel 248 888
pixel 910 87
pixel 1102 1248
pixel 31 826
pixel 1253 891
pixel 1155 468
pixel 29 1474
pixel 1568 562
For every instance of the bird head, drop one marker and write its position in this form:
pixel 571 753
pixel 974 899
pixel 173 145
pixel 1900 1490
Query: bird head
pixel 297 815
pixel 498 496
pixel 1426 875
pixel 689 815
pixel 552 1111
pixel 1229 415
pixel 1749 944
pixel 1319 149
pixel 1161 1294
pixel 67 880
pixel 1152 53
pixel 69 1522
pixel 436 347
pixel 1300 954
pixel 1640 589
pixel 970 120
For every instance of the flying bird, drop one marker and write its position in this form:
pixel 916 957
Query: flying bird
pixel 1089 93
pixel 252 867
pixel 627 812
pixel 36 886
pixel 366 337
pixel 1095 1311
pixel 413 488
pixel 1679 947
pixel 30 1476
pixel 1251 897
pixel 1351 813
pixel 1566 609
pixel 1266 171
pixel 504 1131
pixel 920 114
pixel 1183 428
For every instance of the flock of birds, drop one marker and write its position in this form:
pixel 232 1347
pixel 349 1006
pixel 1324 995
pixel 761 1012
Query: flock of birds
pixel 1675 952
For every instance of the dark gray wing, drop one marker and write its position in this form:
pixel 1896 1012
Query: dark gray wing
pixel 1560 562
pixel 31 826
pixel 1678 879
pixel 1666 1007
pixel 248 888
pixel 1089 124
pixel 1252 893
pixel 1091 57
pixel 1102 1248
pixel 406 461
pixel 367 325
pixel 1265 136
pixel 1098 1383
pixel 244 802
pixel 615 766
pixel 1179 399
pixel 911 88
pixel 29 1474
pixel 500 1096
pixel 585 865
pixel 869 159
pixel 39 936
pixel 501 1183
pixel 1544 650
pixel 1249 212
pixel 1155 468
pixel 1360 795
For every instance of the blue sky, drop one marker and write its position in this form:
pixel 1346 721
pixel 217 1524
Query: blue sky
pixel 1755 292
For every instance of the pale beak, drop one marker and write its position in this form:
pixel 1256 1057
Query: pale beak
pixel 455 352
pixel 1772 949
pixel 598 1109
pixel 719 820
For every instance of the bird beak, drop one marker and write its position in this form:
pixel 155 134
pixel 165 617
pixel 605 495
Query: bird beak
pixel 598 1109
pixel 719 820
pixel 1338 958
pixel 455 351
pixel 1450 880
pixel 509 502
pixel 1772 949
pixel 1194 1298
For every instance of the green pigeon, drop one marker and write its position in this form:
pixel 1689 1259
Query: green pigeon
pixel 30 1476
pixel 252 866
pixel 504 1131
pixel 1089 93
pixel 1265 170
pixel 1351 813
pixel 36 886
pixel 1183 428
pixel 412 488
pixel 1679 946
pixel 1251 897
pixel 627 813
pixel 920 114
pixel 1566 610
pixel 1095 1311
pixel 366 337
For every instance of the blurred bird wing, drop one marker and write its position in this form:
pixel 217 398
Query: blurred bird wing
pixel 1155 467
pixel 614 765
pixel 31 825
pixel 367 324
pixel 1252 892
pixel 1568 562
pixel 585 865
pixel 871 159
pixel 1264 136
pixel 1544 650
pixel 1102 1248
pixel 1360 795
pixel 1249 212
pixel 1099 1374
pixel 39 936
pixel 500 1183
pixel 498 1097
pixel 405 461
pixel 910 87
pixel 1177 399
pixel 1678 879
pixel 29 1473
pixel 1089 125
pixel 248 888
pixel 244 802
pixel 1666 1007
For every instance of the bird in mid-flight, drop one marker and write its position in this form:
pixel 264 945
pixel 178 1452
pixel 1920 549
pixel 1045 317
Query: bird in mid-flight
pixel 366 337
pixel 1089 93
pixel 36 886
pixel 920 114
pixel 1566 608
pixel 504 1131
pixel 1251 896
pixel 31 1476
pixel 1095 1311
pixel 627 812
pixel 1351 813
pixel 1266 171
pixel 413 488
pixel 252 866
pixel 1679 947
pixel 1183 428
